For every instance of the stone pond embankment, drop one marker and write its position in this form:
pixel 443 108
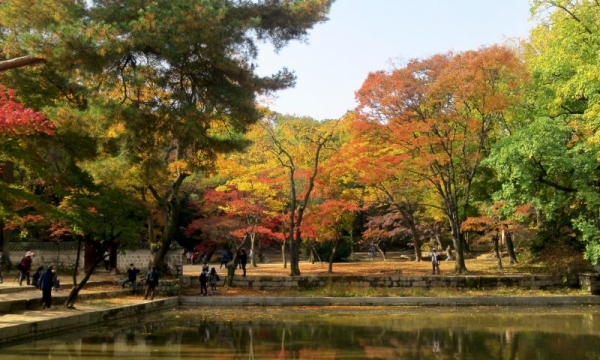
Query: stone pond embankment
pixel 588 281
pixel 21 320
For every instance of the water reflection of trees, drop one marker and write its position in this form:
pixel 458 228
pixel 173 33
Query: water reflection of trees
pixel 294 340
pixel 287 339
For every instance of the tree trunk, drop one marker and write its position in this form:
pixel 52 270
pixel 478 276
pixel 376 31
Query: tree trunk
pixel 294 258
pixel 252 250
pixel 331 257
pixel 231 266
pixel 465 238
pixel 283 255
pixel 416 241
pixel 381 251
pixel 512 257
pixel 496 240
pixel 459 265
pixel 169 207
pixel 72 298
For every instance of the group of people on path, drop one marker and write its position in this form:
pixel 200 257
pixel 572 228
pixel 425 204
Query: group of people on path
pixel 151 281
pixel 210 277
pixel 207 277
pixel 43 279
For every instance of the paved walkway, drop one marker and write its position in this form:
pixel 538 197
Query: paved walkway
pixel 22 317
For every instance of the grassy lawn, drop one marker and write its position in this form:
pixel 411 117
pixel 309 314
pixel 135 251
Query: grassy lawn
pixel 476 266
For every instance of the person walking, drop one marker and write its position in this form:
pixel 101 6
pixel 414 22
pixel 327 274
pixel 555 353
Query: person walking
pixel 213 277
pixel 106 259
pixel 46 284
pixel 224 258
pixel 24 268
pixel 151 283
pixel 448 253
pixel 131 277
pixel 435 261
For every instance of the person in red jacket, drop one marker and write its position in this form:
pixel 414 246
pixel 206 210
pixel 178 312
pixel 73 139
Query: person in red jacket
pixel 25 267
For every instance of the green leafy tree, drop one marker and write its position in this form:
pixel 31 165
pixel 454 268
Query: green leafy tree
pixel 108 218
pixel 549 161
pixel 159 87
pixel 297 145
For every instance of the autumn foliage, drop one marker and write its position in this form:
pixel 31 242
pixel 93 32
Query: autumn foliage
pixel 17 120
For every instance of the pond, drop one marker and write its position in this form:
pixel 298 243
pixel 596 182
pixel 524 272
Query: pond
pixel 333 333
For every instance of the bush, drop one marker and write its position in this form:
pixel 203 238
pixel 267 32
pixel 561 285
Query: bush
pixel 343 251
pixel 563 259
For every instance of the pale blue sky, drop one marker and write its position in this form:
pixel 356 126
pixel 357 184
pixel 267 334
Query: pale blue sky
pixel 368 35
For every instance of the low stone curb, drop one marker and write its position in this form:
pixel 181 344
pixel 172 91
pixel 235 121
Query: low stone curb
pixel 60 320
pixel 390 301
pixel 35 302
pixel 8 289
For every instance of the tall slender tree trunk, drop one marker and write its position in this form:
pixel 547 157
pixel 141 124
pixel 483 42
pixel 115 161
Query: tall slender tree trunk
pixel 284 254
pixel 72 298
pixel 294 257
pixel 496 240
pixel 459 265
pixel 416 241
pixel 510 248
pixel 332 256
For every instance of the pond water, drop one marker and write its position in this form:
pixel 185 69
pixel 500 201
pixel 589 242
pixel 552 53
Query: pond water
pixel 332 333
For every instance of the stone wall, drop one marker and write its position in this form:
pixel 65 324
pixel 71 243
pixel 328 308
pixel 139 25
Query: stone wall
pixel 533 282
pixel 63 255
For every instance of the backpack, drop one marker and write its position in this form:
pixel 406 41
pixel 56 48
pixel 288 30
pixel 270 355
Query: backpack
pixel 150 277
pixel 19 267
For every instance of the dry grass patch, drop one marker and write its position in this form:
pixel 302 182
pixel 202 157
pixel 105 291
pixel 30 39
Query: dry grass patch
pixel 380 267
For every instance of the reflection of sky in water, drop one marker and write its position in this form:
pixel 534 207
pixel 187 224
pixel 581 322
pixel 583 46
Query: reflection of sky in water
pixel 333 333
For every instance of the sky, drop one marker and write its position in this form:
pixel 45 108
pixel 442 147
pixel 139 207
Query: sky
pixel 363 36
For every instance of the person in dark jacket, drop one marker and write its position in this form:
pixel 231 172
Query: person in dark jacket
pixel 151 283
pixel 203 278
pixel 46 284
pixel 224 258
pixel 35 278
pixel 131 277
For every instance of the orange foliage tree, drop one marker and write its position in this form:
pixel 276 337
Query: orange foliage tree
pixel 19 129
pixel 328 221
pixel 297 145
pixel 439 115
